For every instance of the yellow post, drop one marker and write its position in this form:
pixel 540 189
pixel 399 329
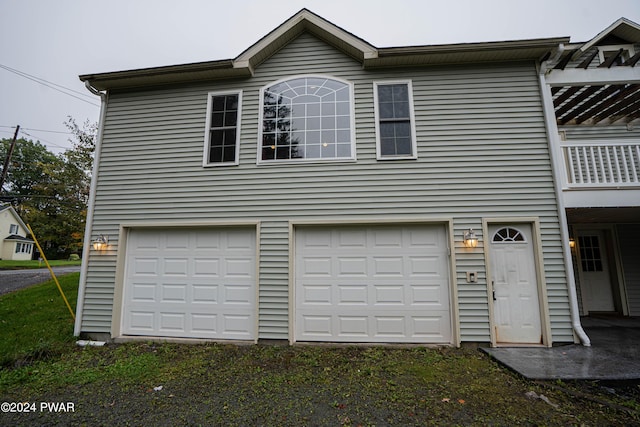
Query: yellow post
pixel 55 279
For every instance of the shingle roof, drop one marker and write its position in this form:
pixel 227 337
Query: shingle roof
pixel 20 238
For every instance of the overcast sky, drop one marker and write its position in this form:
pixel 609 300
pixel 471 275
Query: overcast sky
pixel 59 40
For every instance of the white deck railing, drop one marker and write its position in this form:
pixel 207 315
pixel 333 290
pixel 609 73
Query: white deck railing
pixel 602 164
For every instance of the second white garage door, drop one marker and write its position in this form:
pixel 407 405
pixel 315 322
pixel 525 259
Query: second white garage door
pixel 190 283
pixel 372 284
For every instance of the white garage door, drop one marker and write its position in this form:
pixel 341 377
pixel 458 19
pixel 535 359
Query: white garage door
pixel 372 284
pixel 193 283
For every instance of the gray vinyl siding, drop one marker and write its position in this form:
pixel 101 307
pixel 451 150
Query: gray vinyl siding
pixel 482 153
pixel 628 236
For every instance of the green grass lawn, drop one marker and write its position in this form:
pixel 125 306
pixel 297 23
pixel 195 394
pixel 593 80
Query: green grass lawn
pixel 36 322
pixel 20 265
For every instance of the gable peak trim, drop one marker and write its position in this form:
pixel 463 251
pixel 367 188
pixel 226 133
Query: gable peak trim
pixel 305 20
pixel 622 24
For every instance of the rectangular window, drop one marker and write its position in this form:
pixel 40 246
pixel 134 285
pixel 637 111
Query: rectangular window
pixel 13 229
pixel 395 129
pixel 590 253
pixel 223 129
pixel 18 247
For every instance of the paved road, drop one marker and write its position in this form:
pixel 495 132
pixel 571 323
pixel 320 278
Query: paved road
pixel 12 280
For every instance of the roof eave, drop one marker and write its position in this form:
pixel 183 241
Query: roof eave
pixel 200 71
pixel 306 21
pixel 461 53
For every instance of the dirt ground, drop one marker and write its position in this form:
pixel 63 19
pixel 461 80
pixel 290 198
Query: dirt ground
pixel 226 385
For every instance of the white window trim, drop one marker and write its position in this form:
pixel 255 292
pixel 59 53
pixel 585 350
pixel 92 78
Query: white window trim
pixel 615 48
pixel 23 248
pixel 352 123
pixel 414 143
pixel 207 133
pixel 13 227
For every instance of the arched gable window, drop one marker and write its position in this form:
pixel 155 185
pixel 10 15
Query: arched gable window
pixel 308 117
pixel 508 235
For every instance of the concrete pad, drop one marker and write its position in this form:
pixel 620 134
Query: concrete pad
pixel 614 355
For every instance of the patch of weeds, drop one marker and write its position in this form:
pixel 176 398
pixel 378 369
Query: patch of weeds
pixel 308 356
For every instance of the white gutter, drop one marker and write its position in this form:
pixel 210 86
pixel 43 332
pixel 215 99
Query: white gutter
pixel 89 220
pixel 546 65
pixel 558 167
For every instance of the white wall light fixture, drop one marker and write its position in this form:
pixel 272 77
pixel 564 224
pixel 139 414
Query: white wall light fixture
pixel 101 243
pixel 469 238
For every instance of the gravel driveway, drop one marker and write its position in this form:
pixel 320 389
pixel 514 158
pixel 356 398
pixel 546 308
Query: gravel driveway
pixel 12 280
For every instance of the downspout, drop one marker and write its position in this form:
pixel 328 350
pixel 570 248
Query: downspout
pixel 558 167
pixel 90 209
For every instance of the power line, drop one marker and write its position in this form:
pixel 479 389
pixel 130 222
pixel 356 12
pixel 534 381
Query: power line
pixel 22 73
pixel 49 131
pixel 37 130
pixel 42 139
pixel 49 84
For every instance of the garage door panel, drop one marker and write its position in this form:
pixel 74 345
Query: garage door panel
pixel 145 266
pixel 430 295
pixel 432 327
pixel 239 241
pixel 173 293
pixel 204 323
pixel 205 294
pixel 390 326
pixel 316 326
pixel 193 283
pixel 206 267
pixel 238 267
pixel 353 326
pixel 385 237
pixel 175 267
pixel 236 324
pixel 389 295
pixel 372 284
pixel 143 292
pixel 421 266
pixel 316 294
pixel 172 322
pixel 239 295
pixel 316 267
pixel 350 266
pixel 381 328
pixel 352 294
pixel 176 242
pixel 207 241
pixel 388 266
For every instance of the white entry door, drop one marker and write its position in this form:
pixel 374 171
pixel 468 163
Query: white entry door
pixel 190 283
pixel 595 277
pixel 516 305
pixel 377 283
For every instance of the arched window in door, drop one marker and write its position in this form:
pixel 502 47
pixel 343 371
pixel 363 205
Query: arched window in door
pixel 508 235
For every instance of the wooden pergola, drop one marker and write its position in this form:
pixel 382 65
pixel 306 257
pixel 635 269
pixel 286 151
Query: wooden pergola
pixel 586 91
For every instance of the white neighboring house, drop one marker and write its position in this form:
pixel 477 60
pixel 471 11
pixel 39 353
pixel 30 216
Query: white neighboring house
pixel 14 245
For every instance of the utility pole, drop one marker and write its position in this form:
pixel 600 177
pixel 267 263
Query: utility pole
pixel 8 158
